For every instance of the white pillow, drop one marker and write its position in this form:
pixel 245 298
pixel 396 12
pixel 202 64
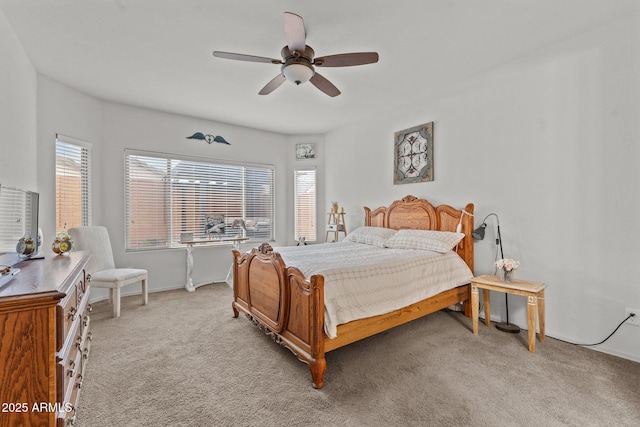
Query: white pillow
pixel 375 236
pixel 432 240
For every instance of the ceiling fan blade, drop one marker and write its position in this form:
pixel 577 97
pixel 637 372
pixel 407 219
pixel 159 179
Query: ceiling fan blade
pixel 294 32
pixel 347 59
pixel 324 85
pixel 242 57
pixel 272 85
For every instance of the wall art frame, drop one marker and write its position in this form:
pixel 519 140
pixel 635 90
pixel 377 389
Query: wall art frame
pixel 305 151
pixel 413 154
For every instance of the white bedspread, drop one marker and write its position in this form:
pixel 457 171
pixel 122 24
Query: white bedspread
pixel 364 280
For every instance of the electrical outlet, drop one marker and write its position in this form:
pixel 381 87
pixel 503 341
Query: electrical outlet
pixel 635 320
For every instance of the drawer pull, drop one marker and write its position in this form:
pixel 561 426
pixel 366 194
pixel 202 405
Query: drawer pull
pixel 85 320
pixel 90 335
pixel 72 314
pixel 88 278
pixel 72 364
pixel 71 421
pixel 89 308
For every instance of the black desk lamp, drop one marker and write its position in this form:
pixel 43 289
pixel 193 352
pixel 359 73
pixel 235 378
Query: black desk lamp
pixel 478 234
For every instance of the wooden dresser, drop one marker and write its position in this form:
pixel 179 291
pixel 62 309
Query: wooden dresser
pixel 44 341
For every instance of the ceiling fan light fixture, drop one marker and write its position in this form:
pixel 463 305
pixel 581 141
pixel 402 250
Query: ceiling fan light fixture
pixel 298 60
pixel 297 73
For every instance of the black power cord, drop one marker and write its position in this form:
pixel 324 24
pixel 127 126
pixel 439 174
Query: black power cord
pixel 584 345
pixel 601 342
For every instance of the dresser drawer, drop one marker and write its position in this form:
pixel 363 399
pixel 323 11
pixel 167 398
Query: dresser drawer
pixel 67 314
pixel 70 311
pixel 72 383
pixel 69 363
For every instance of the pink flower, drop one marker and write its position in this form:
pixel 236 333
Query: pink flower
pixel 507 264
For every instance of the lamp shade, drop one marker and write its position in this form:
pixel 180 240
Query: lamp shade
pixel 478 233
pixel 298 73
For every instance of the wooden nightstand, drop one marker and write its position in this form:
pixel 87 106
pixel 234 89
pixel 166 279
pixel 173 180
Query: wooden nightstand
pixel 534 292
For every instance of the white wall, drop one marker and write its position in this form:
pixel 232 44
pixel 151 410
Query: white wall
pixel 64 110
pixel 17 112
pixel 18 155
pixel 142 129
pixel 550 143
pixel 110 128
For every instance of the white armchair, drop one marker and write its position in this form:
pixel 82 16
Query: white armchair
pixel 101 266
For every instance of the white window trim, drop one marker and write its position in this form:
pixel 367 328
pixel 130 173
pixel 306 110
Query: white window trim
pixel 87 213
pixel 295 201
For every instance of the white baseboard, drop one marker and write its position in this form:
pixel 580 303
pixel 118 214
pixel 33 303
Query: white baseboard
pixel 136 291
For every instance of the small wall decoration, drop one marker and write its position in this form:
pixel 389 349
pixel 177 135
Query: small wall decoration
pixel 413 154
pixel 305 151
pixel 209 138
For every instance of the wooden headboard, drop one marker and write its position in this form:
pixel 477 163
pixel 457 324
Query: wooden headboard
pixel 419 214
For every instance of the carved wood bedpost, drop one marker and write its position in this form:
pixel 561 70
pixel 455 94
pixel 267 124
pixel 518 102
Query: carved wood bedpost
pixel 318 363
pixel 236 255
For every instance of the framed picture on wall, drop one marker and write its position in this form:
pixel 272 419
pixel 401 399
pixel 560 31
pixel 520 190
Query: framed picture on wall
pixel 305 151
pixel 413 154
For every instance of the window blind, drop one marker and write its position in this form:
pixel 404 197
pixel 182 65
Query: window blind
pixel 15 217
pixel 305 204
pixel 73 183
pixel 169 195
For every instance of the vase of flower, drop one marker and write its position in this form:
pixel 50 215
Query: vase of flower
pixel 507 268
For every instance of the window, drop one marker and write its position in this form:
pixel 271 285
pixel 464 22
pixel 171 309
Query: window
pixel 18 217
pixel 166 196
pixel 73 183
pixel 305 204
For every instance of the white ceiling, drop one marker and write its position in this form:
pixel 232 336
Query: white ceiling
pixel 158 53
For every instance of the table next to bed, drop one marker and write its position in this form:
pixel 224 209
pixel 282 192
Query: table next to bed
pixel 534 291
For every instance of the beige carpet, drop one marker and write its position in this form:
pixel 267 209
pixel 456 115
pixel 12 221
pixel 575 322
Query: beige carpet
pixel 184 361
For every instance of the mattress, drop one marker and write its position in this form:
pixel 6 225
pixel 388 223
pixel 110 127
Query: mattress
pixel 363 280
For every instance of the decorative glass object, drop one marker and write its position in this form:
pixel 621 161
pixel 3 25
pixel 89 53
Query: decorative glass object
pixel 62 244
pixel 507 275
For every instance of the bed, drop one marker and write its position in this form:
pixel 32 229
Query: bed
pixel 288 301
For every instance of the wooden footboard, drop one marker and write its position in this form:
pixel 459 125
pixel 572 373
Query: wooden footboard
pixel 280 301
pixel 290 309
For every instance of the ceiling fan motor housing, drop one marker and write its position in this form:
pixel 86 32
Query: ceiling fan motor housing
pixel 297 66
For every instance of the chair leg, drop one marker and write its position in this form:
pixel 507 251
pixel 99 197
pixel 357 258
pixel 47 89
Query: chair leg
pixel 116 302
pixel 110 295
pixel 145 295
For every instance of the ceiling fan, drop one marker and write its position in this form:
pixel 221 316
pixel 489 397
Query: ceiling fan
pixel 298 62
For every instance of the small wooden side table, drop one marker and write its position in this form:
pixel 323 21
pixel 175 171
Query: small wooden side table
pixel 534 291
pixel 335 225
